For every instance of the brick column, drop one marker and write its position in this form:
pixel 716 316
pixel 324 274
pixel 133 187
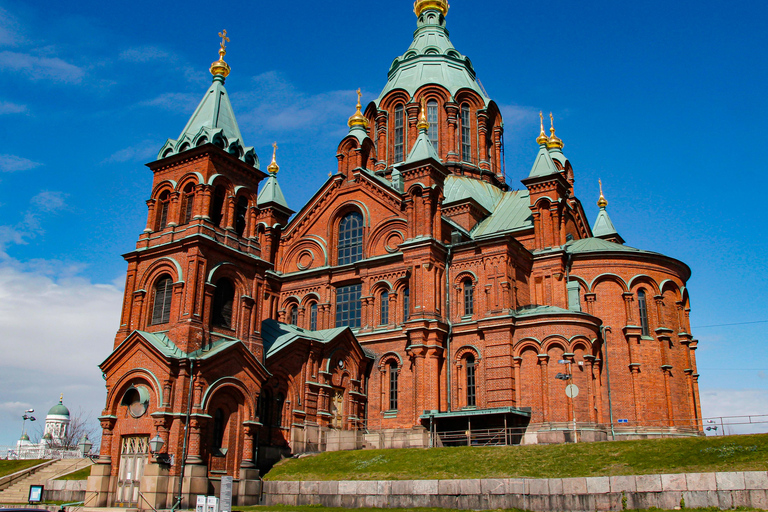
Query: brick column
pixel 382 148
pixel 629 311
pixel 517 363
pixel 543 363
pixel 150 216
pixel 452 112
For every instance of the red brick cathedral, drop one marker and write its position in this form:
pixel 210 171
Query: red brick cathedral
pixel 414 300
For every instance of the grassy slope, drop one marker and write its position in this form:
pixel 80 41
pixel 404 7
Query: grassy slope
pixel 11 466
pixel 80 474
pixel 698 454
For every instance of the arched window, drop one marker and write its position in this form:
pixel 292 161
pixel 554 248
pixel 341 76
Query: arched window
pixel 189 203
pixel 348 306
pixel 384 308
pixel 471 396
pixel 399 146
pixel 217 206
pixel 263 406
pixel 223 300
pixel 350 238
pixel 313 317
pixel 278 419
pixel 161 302
pixel 294 315
pixel 466 134
pixel 406 304
pixel 469 297
pixel 240 214
pixel 162 212
pixel 392 386
pixel 218 431
pixel 643 307
pixel 432 117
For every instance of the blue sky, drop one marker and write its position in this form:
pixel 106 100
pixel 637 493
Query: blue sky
pixel 663 101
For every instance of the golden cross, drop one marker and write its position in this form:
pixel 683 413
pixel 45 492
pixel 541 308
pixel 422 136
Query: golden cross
pixel 552 120
pixel 541 117
pixel 359 97
pixel 601 186
pixel 224 39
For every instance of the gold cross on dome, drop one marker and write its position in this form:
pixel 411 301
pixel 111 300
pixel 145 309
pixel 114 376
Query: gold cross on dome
pixel 224 39
pixel 274 147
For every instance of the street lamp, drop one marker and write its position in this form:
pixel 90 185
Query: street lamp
pixel 155 445
pixel 85 445
pixel 24 418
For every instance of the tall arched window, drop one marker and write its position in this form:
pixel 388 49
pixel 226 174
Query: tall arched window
pixel 469 298
pixel 162 212
pixel 399 139
pixel 392 386
pixel 218 431
pixel 406 303
pixel 350 238
pixel 240 215
pixel 294 315
pixel 189 204
pixel 161 305
pixel 313 317
pixel 466 134
pixel 277 421
pixel 223 300
pixel 217 206
pixel 433 118
pixel 384 308
pixel 471 396
pixel 643 307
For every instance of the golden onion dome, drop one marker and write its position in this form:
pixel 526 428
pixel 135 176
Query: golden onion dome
pixel 542 139
pixel 220 67
pixel 273 167
pixel 553 142
pixel 358 119
pixel 602 202
pixel 423 121
pixel 420 6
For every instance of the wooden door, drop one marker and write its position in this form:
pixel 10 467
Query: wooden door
pixel 134 453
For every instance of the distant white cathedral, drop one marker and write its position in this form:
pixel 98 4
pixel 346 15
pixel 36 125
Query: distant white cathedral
pixel 54 434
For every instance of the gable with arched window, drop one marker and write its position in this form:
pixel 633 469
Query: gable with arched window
pixel 350 239
pixel 223 303
pixel 161 300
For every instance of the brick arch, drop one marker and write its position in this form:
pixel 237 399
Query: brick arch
pixel 642 279
pixel 230 383
pixel 308 298
pixel 162 265
pixel 232 272
pixel 163 186
pixel 472 98
pixel 379 234
pixel 528 343
pixel 381 285
pixel 335 220
pixel 467 349
pixel 192 177
pixel 115 394
pixel 608 277
pixel 433 92
pixel 580 341
pixel 463 275
pixel 291 299
pixel 390 356
pixel 555 340
pixel 394 97
pixel 670 285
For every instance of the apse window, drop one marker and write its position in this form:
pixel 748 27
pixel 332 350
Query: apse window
pixel 136 399
pixel 351 238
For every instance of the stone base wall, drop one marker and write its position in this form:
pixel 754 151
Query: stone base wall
pixel 68 491
pixel 698 490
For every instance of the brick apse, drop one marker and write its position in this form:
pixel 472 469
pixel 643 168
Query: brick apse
pixel 415 300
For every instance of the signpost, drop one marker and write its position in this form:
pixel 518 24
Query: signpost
pixel 571 391
pixel 225 503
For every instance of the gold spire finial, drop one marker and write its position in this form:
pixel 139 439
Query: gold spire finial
pixel 420 6
pixel 553 141
pixel 358 119
pixel 273 167
pixel 602 202
pixel 61 398
pixel 423 121
pixel 220 67
pixel 542 139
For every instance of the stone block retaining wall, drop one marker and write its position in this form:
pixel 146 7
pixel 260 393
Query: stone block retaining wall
pixel 724 490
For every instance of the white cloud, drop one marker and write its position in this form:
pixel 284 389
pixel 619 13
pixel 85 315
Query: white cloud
pixel 139 152
pixel 49 201
pixel 147 53
pixel 55 332
pixel 41 68
pixel 9 29
pixel 13 163
pixel 520 118
pixel 44 203
pixel 178 101
pixel 6 107
pixel 735 406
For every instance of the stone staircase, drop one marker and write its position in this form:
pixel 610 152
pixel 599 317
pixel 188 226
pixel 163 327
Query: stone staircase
pixel 19 491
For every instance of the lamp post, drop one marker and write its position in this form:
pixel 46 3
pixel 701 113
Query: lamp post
pixel 85 445
pixel 27 416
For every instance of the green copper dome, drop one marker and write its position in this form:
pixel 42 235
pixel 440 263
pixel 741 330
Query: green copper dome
pixel 59 410
pixel 432 59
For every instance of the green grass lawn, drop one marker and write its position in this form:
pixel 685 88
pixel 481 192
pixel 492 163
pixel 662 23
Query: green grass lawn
pixel 682 455
pixel 8 467
pixel 80 474
pixel 315 508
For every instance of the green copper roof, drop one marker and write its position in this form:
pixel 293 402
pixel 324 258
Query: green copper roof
pixel 272 195
pixel 586 245
pixel 24 437
pixel 543 165
pixel 213 121
pixel 603 227
pixel 432 59
pixel 277 336
pixel 58 410
pixel 422 149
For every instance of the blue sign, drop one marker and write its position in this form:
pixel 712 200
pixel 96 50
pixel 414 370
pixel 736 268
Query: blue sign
pixel 623 421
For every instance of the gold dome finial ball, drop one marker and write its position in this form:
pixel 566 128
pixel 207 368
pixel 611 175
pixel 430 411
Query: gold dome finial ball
pixel 419 6
pixel 220 67
pixel 358 119
pixel 542 139
pixel 554 141
pixel 602 202
pixel 273 167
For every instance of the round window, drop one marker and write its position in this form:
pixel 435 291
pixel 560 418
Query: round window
pixel 136 399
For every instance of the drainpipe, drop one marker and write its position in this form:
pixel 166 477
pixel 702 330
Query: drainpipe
pixel 603 330
pixel 448 365
pixel 186 433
